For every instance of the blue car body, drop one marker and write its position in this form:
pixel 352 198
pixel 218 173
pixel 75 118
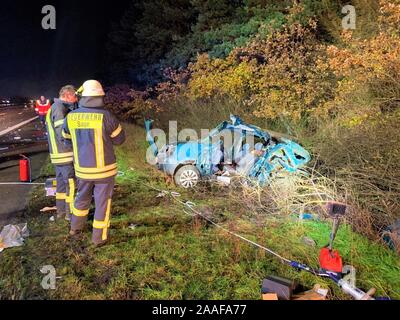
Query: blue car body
pixel 278 154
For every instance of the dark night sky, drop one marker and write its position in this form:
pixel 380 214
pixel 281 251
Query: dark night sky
pixel 34 61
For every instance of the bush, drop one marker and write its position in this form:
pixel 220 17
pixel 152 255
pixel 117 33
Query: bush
pixel 128 104
pixel 116 96
pixel 368 70
pixel 280 76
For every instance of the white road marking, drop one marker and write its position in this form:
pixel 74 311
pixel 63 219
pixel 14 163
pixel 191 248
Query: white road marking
pixel 17 126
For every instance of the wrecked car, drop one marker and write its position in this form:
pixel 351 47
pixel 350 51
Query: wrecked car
pixel 233 148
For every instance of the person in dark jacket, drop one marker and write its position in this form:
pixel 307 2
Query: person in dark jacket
pixel 94 131
pixel 61 154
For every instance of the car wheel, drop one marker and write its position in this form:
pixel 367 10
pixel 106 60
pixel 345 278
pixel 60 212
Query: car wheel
pixel 187 177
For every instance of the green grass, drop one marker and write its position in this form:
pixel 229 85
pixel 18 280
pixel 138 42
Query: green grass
pixel 170 255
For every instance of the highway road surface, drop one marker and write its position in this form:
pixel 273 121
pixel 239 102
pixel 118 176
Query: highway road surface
pixel 12 116
pixel 20 133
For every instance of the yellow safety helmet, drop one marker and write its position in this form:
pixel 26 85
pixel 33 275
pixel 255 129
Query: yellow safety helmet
pixel 91 88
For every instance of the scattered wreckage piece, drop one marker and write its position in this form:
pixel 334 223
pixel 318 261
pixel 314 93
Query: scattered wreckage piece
pixel 316 294
pixel 13 236
pixel 277 288
pixel 282 287
pixel 190 162
pixel 48 209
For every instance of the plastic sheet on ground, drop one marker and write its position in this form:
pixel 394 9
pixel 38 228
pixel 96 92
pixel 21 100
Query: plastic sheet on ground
pixel 13 236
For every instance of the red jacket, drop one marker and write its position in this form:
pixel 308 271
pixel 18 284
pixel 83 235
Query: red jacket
pixel 42 109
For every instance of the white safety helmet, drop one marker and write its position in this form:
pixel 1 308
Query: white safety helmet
pixel 91 88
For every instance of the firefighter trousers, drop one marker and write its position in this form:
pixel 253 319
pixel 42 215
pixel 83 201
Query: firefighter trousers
pixel 66 186
pixel 102 190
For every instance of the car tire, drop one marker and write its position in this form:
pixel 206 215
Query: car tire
pixel 187 177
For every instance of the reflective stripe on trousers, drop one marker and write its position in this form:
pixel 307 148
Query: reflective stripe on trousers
pixel 71 195
pixel 102 190
pixel 65 188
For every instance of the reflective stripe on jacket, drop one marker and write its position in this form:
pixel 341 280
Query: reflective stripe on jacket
pixel 94 131
pixel 60 150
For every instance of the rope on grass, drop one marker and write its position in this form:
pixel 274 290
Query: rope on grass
pixel 191 206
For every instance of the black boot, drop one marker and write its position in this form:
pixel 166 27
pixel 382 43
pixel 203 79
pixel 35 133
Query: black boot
pixel 76 235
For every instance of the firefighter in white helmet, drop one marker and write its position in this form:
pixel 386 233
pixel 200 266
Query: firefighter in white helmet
pixel 94 132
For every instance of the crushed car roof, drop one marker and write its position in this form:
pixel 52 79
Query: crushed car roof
pixel 238 124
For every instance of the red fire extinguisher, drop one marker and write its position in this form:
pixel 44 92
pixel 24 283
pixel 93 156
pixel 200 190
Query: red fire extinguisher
pixel 25 169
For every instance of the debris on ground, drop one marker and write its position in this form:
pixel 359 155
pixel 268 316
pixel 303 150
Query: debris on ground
pixel 51 187
pixel 281 287
pixel 224 180
pixel 309 242
pixel 162 195
pixel 13 236
pixel 307 216
pixel 276 288
pixel 121 174
pixel 316 294
pixel 48 209
pixel 52 219
pixel 270 297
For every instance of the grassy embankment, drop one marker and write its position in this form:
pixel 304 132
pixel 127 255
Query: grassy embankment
pixel 170 255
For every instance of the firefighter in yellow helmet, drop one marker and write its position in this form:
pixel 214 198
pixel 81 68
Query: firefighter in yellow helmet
pixel 94 131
